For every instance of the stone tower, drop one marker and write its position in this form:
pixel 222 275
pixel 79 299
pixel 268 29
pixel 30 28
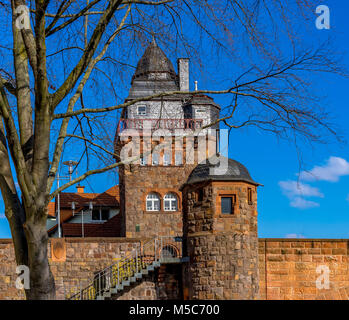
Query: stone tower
pixel 220 229
pixel 150 199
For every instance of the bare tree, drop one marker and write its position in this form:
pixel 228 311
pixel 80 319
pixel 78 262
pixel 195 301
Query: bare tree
pixel 51 67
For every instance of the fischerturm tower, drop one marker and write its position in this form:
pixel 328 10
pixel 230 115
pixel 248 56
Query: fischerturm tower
pixel 176 190
pixel 151 202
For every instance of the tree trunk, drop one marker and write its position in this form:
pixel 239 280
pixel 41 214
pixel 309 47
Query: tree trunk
pixel 42 284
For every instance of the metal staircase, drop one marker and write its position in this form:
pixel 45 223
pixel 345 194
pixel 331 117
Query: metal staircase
pixel 138 264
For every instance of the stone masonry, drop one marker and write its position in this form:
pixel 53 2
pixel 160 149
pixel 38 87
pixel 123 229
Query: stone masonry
pixel 222 248
pixel 136 183
pixel 287 268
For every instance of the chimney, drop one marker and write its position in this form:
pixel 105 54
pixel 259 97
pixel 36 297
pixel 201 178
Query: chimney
pixel 80 189
pixel 183 73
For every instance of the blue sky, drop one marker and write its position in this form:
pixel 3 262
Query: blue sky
pixel 315 208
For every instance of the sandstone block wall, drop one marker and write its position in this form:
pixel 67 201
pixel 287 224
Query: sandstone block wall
pixel 84 256
pixel 136 183
pixel 288 268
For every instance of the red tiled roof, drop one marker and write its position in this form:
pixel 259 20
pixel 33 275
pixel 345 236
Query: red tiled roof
pixel 51 209
pixel 109 198
pixel 110 228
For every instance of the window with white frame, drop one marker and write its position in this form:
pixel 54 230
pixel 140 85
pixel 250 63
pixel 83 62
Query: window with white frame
pixel 142 110
pixel 155 159
pixel 153 202
pixel 143 160
pixel 178 158
pixel 167 159
pixel 170 202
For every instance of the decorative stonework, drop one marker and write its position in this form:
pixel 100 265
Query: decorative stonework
pixel 58 250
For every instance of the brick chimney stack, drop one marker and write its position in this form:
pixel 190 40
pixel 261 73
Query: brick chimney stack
pixel 183 73
pixel 80 189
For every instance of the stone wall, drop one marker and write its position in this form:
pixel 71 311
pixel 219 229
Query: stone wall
pixel 84 256
pixel 288 268
pixel 138 181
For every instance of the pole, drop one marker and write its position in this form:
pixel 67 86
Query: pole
pixel 82 224
pixel 58 209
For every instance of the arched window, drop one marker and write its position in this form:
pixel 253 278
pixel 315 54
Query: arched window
pixel 170 202
pixel 153 202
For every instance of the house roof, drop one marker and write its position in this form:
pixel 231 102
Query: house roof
pixel 201 99
pixel 51 209
pixel 110 228
pixel 110 198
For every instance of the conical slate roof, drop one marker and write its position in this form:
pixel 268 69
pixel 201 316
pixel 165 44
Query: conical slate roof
pixel 208 171
pixel 154 60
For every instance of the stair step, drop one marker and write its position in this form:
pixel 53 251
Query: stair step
pixel 138 275
pixel 114 291
pixel 126 283
pixel 150 268
pixel 156 263
pixel 145 271
pixel 107 294
pixel 133 279
pixel 99 298
pixel 117 288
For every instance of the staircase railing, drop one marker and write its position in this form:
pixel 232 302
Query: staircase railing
pixel 161 249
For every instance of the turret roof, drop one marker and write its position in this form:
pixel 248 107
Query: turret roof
pixel 154 60
pixel 233 171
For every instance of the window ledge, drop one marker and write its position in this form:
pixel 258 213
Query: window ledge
pixel 160 165
pixel 162 212
pixel 226 215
